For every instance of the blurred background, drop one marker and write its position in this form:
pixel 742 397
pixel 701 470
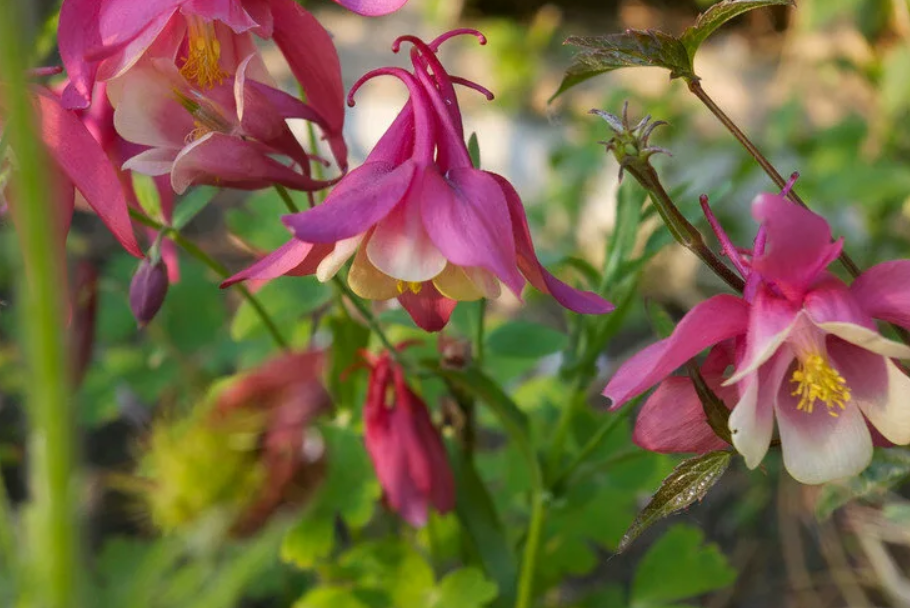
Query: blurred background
pixel 823 89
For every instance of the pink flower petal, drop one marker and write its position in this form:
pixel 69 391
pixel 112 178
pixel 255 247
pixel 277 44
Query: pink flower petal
pixel 819 447
pixel 883 292
pixel 429 309
pixel 161 39
pixel 710 322
pixel 229 12
pixel 372 8
pixel 584 302
pixel 798 245
pixel 287 259
pixel 83 161
pixel 121 21
pixel 673 420
pixel 219 159
pixel 401 248
pixel 771 320
pixel 261 12
pixel 877 387
pixel 76 33
pixel 146 110
pixel 752 421
pixel 467 217
pixel 358 202
pixel 154 161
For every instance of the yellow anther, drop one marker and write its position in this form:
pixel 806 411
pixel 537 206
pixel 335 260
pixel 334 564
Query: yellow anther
pixel 200 66
pixel 412 286
pixel 816 380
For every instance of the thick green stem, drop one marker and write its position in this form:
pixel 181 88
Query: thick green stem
pixel 685 233
pixel 531 551
pixel 54 530
pixel 191 248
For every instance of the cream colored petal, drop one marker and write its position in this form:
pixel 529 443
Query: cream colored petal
pixel 485 281
pixel 368 282
pixel 453 283
pixel 332 263
pixel 868 339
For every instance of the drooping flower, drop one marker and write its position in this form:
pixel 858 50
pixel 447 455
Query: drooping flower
pixel 229 135
pixel 806 351
pixel 252 452
pixel 421 223
pixel 404 446
pixel 208 41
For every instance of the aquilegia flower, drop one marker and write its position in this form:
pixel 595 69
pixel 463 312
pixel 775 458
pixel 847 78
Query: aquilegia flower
pixel 422 224
pixel 805 347
pixel 406 449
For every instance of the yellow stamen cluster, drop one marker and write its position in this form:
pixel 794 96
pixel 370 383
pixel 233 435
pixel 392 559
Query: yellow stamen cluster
pixel 816 380
pixel 412 286
pixel 203 53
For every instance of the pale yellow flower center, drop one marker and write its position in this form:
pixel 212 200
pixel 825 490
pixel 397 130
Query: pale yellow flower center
pixel 816 380
pixel 203 53
pixel 412 286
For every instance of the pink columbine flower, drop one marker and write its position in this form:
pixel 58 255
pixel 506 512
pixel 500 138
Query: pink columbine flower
pixel 805 349
pixel 421 223
pixel 207 41
pixel 228 135
pixel 406 449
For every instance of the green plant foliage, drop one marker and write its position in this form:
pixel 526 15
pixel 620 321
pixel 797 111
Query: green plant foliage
pixel 717 15
pixel 677 567
pixel 888 468
pixel 286 299
pixel 523 339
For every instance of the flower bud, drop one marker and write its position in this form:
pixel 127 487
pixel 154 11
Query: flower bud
pixel 147 290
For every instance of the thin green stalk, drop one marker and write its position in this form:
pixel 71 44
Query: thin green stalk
pixel 286 197
pixel 54 530
pixel 370 318
pixel 531 551
pixel 191 248
pixel 479 335
pixel 8 553
pixel 564 425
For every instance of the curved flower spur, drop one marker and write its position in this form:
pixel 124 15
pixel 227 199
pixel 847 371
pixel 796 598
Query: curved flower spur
pixel 422 224
pixel 805 349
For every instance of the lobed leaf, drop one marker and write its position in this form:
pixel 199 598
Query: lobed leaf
pixel 632 48
pixel 717 15
pixel 689 481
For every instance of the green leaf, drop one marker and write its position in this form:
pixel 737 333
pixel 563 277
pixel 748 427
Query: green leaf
pixel 525 340
pixel 147 196
pixel 286 299
pixel 465 588
pixel 717 15
pixel 632 48
pixel 308 542
pixel 679 566
pixel 688 482
pixel 330 597
pixel 348 338
pixel 191 204
pixel 661 320
pixel 889 467
pixel 483 527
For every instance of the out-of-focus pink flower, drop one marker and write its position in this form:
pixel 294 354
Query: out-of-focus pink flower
pixel 228 135
pixel 406 449
pixel 806 352
pixel 421 223
pixel 209 42
pixel 80 165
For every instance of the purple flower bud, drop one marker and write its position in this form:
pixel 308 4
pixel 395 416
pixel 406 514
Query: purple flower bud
pixel 147 290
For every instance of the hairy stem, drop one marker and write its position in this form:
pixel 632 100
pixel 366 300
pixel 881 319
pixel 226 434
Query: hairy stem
pixel 194 250
pixel 684 232
pixel 54 532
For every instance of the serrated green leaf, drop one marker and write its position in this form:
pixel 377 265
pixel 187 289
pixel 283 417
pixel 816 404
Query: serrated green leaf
pixel 632 48
pixel 688 482
pixel 717 15
pixel 191 204
pixel 888 468
pixel 525 340
pixel 679 566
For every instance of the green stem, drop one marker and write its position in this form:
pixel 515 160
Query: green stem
pixel 531 551
pixel 286 197
pixel 370 319
pixel 684 232
pixel 8 553
pixel 479 335
pixel 191 248
pixel 54 529
pixel 561 434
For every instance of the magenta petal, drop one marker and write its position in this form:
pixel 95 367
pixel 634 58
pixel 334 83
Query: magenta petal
pixel 673 420
pixel 710 322
pixel 372 8
pixel 276 264
pixel 121 21
pixel 229 12
pixel 88 167
pixel 798 244
pixel 831 301
pixel 357 203
pixel 883 292
pixel 309 51
pixel 261 12
pixel 467 217
pixel 770 321
pixel 217 158
pixel 76 33
pixel 429 308
pixel 584 302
